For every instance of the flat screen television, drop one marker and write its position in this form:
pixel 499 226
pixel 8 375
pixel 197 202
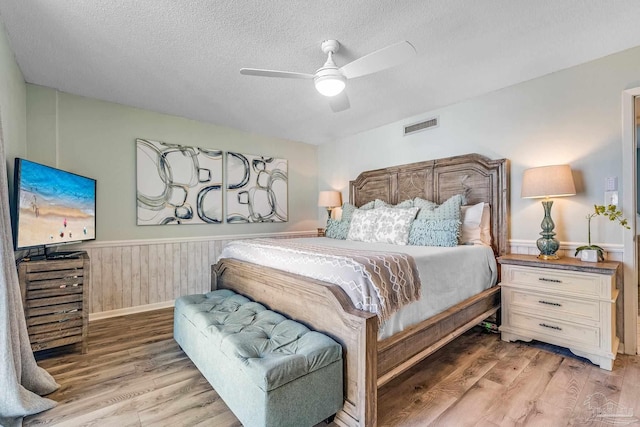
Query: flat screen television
pixel 51 206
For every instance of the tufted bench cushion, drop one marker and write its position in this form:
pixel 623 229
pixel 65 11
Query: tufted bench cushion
pixel 270 370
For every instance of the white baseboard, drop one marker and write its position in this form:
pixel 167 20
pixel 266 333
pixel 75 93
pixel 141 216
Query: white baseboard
pixel 130 310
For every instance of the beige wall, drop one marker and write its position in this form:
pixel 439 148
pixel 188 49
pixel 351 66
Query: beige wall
pixel 12 105
pixel 97 139
pixel 135 266
pixel 572 116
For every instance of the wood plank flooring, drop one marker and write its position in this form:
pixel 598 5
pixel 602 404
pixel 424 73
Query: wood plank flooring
pixel 135 374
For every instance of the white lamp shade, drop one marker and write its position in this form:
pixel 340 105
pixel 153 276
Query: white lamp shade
pixel 330 199
pixel 330 85
pixel 548 181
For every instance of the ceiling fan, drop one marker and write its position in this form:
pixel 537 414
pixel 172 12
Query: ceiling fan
pixel 330 80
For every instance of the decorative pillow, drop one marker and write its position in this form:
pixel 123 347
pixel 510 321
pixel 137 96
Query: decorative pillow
pixel 450 209
pixel 377 204
pixel 485 225
pixel 348 209
pixel 471 217
pixel 382 204
pixel 436 225
pixel 393 225
pixel 337 229
pixel 476 224
pixel 434 232
pixel 424 204
pixel 347 212
pixel 362 225
pixel 368 205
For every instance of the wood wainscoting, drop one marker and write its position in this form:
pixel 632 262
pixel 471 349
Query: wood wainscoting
pixel 139 273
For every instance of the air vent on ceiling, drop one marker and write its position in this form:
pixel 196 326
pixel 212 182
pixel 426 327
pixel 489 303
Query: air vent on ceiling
pixel 424 125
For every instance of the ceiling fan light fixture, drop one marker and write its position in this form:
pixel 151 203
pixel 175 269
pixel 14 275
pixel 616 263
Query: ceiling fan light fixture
pixel 330 80
pixel 330 85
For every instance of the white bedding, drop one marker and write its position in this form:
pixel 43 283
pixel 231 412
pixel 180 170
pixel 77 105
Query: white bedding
pixel 448 275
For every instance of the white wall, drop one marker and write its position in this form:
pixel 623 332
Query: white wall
pixel 572 116
pixel 97 139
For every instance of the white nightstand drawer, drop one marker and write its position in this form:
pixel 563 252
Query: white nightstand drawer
pixel 564 302
pixel 567 332
pixel 554 280
pixel 571 309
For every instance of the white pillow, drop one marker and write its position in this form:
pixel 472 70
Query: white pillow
pixel 476 224
pixel 393 225
pixel 485 225
pixel 362 225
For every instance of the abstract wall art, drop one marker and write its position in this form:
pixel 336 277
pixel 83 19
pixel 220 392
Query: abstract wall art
pixel 256 189
pixel 178 184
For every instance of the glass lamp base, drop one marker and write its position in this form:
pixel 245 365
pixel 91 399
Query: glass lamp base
pixel 548 245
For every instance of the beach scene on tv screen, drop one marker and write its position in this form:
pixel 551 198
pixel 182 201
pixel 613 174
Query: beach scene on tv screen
pixel 55 206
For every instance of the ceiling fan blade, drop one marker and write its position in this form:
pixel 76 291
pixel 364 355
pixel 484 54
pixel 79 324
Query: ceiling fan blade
pixel 275 73
pixel 340 102
pixel 379 60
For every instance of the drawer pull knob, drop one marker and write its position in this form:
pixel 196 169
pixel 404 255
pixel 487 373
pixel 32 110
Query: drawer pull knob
pixel 550 303
pixel 544 279
pixel 544 325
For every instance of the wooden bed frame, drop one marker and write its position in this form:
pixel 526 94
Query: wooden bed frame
pixel 322 306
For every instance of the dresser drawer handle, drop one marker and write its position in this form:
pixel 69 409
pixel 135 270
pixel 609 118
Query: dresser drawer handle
pixel 550 303
pixel 544 325
pixel 544 279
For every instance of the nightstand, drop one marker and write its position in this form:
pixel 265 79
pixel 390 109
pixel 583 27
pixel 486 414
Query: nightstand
pixel 565 302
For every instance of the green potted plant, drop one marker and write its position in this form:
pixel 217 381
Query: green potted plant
pixel 609 211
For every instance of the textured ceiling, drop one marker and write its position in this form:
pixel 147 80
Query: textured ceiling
pixel 183 57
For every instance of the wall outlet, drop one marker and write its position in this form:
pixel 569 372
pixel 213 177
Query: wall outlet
pixel 611 198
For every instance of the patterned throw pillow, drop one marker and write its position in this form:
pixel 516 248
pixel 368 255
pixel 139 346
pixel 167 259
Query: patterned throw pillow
pixel 393 225
pixel 348 209
pixel 340 229
pixel 337 229
pixel 347 212
pixel 382 204
pixel 448 210
pixel 424 204
pixel 434 232
pixel 377 204
pixel 362 225
pixel 437 225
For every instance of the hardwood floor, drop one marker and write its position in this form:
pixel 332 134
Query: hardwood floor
pixel 134 374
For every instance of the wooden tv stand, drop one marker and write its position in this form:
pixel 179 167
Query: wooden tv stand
pixel 54 296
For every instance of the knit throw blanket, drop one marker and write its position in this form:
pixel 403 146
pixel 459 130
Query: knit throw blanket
pixel 377 282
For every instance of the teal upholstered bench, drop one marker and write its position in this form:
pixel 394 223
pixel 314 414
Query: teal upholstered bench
pixel 269 370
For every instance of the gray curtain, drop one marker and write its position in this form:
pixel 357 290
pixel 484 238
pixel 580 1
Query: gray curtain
pixel 22 381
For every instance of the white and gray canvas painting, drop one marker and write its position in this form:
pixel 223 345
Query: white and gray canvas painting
pixel 178 184
pixel 256 189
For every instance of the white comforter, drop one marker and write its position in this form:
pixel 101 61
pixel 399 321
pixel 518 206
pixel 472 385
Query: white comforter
pixel 448 275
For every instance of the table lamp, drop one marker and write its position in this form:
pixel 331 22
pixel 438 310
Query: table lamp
pixel 330 199
pixel 545 182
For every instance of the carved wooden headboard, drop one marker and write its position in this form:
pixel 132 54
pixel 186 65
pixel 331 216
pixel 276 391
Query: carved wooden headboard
pixel 479 178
